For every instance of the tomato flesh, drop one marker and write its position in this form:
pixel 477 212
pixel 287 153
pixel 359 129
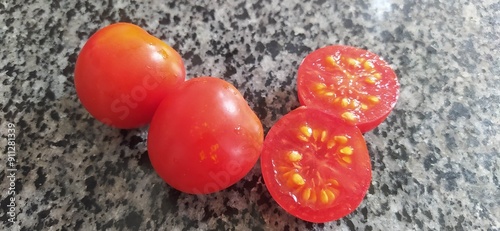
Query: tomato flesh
pixel 350 83
pixel 205 137
pixel 315 166
pixel 123 73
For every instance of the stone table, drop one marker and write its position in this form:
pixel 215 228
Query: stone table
pixel 435 159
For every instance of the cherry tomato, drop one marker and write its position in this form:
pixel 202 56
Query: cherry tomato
pixel 205 137
pixel 123 73
pixel 349 83
pixel 315 166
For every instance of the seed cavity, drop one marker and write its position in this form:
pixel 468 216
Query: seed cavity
pixel 310 186
pixel 294 156
pixel 350 93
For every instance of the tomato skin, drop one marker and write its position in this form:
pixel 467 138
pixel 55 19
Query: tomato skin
pixel 320 157
pixel 351 74
pixel 123 73
pixel 205 137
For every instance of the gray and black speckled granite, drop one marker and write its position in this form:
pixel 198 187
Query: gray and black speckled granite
pixel 435 159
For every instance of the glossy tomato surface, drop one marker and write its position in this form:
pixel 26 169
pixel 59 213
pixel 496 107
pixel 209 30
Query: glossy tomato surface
pixel 205 138
pixel 349 83
pixel 315 166
pixel 123 73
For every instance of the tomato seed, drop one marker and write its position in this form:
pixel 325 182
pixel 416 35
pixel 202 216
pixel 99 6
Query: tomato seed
pixel 346 150
pixel 294 156
pixel 297 179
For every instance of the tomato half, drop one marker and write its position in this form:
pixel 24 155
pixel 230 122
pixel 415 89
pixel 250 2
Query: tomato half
pixel 205 137
pixel 123 73
pixel 349 83
pixel 315 166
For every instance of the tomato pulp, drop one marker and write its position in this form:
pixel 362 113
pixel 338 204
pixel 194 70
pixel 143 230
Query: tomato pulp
pixel 350 83
pixel 205 137
pixel 123 73
pixel 315 166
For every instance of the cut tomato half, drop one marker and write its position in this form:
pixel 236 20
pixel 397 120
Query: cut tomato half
pixel 315 166
pixel 350 83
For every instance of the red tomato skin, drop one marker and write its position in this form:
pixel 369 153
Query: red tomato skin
pixel 123 73
pixel 346 203
pixel 205 138
pixel 388 88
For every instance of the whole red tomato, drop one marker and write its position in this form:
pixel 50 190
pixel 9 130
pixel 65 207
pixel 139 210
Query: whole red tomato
pixel 123 73
pixel 205 137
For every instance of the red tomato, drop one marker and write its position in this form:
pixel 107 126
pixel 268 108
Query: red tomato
pixel 349 83
pixel 123 73
pixel 315 166
pixel 205 137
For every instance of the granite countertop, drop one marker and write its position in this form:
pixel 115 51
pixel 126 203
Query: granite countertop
pixel 435 159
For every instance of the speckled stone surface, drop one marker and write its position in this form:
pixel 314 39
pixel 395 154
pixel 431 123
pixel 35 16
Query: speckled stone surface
pixel 435 159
